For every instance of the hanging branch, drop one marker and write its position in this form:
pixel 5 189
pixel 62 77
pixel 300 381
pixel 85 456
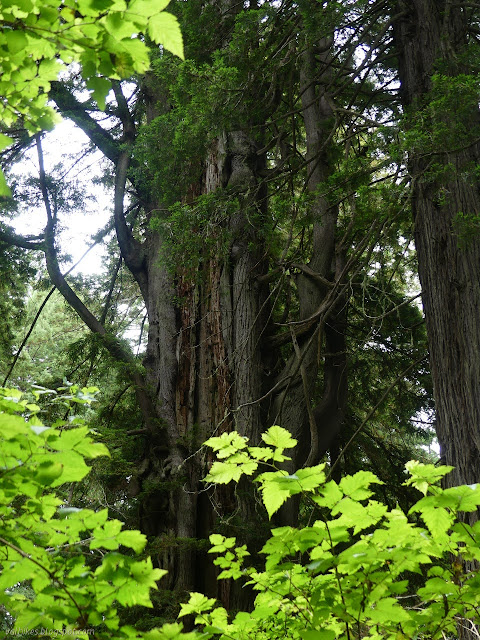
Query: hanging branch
pixel 110 291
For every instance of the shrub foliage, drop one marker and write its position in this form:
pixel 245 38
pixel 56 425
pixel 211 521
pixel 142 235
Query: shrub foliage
pixel 357 569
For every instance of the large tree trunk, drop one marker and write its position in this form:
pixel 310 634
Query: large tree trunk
pixel 204 371
pixel 168 510
pixel 218 377
pixel 314 428
pixel 431 36
pixel 207 356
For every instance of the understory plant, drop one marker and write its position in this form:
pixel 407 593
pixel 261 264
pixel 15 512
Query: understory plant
pixel 358 569
pixel 62 569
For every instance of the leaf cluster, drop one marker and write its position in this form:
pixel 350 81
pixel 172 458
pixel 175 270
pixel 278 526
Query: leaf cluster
pixel 39 38
pixel 62 568
pixel 349 573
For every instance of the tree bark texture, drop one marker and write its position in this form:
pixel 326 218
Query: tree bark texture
pixel 431 37
pixel 208 362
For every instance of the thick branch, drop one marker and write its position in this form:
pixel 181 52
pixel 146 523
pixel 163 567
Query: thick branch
pixel 56 275
pixel 42 306
pixel 71 108
pixel 313 274
pixel 25 242
pixel 131 250
pixel 123 112
pixel 114 346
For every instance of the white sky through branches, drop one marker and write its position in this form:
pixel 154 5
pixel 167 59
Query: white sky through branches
pixel 62 147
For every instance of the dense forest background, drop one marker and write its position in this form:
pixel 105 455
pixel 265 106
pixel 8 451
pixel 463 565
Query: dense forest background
pixel 274 198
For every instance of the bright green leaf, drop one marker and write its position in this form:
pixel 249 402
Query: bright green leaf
pixel 357 486
pixel 164 29
pixel 279 438
pixel 47 472
pixel 133 539
pixel 198 603
pixel 5 141
pixel 223 473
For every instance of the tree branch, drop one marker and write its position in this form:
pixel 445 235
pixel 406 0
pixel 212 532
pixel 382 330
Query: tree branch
pixel 110 291
pixel 131 250
pixel 313 274
pixel 73 109
pixel 28 334
pixel 34 243
pixel 117 350
pixel 52 261
pixel 40 309
pixel 49 573
pixel 129 132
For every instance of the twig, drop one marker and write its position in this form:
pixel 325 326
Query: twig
pixel 373 410
pixel 29 333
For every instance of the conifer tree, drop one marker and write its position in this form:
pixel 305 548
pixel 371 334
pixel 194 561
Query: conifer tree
pixel 261 205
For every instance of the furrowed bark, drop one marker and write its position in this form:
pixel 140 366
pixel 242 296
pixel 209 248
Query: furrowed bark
pixel 246 257
pixel 432 36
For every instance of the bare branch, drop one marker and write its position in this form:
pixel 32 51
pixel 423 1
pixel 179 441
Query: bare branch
pixel 110 291
pixel 27 335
